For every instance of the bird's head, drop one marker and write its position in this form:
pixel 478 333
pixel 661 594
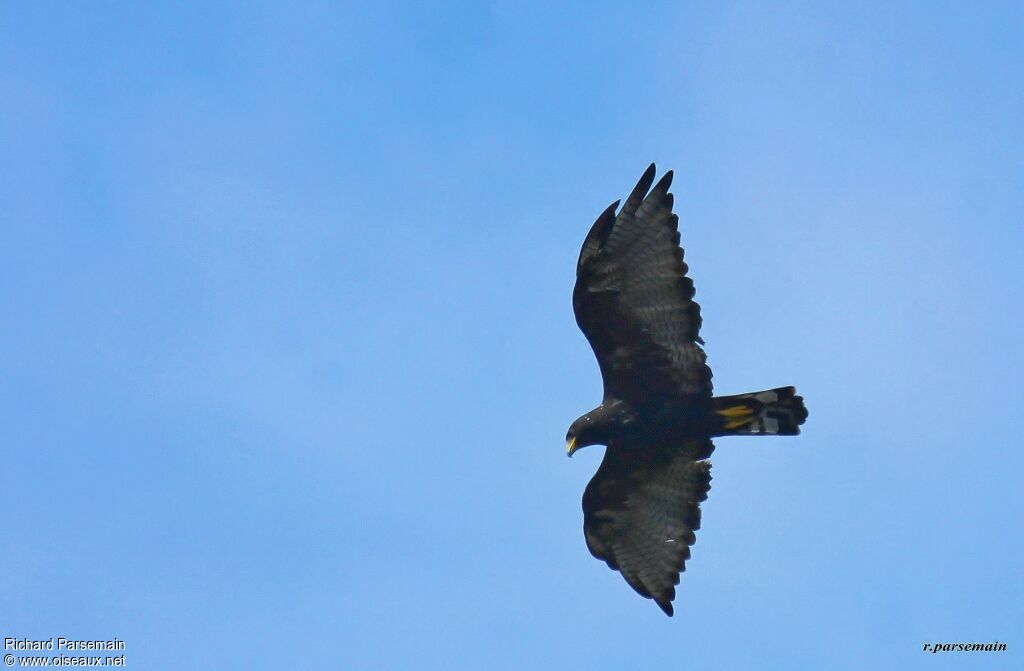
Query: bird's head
pixel 583 432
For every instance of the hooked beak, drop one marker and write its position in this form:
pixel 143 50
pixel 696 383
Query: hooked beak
pixel 570 446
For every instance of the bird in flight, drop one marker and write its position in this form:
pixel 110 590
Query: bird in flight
pixel 634 303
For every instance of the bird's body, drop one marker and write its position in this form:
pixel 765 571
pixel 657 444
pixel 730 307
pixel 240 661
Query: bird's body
pixel 634 303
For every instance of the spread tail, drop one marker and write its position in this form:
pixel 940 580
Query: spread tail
pixel 775 412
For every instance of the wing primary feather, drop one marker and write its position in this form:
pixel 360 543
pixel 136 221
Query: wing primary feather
pixel 640 190
pixel 598 232
pixel 607 218
pixel 664 183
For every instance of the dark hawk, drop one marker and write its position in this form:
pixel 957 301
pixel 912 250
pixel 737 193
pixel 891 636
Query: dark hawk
pixel 634 303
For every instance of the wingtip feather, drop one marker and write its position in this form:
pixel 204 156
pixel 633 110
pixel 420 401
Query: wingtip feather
pixel 664 183
pixel 642 187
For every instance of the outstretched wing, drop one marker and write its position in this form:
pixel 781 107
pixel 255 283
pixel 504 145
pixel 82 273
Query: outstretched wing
pixel 634 302
pixel 640 512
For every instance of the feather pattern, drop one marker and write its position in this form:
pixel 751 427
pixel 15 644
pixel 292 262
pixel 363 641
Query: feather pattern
pixel 641 510
pixel 634 302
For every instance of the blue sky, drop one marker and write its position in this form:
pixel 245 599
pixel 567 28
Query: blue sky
pixel 288 353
